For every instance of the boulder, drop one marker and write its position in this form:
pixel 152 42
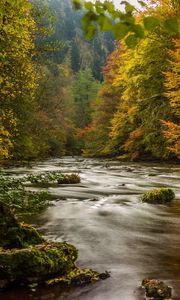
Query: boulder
pixel 37 263
pixel 27 259
pixel 156 290
pixel 78 277
pixel 14 234
pixel 158 196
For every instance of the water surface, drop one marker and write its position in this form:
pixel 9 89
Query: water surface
pixel 104 218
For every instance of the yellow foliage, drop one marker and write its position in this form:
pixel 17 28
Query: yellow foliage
pixel 172 82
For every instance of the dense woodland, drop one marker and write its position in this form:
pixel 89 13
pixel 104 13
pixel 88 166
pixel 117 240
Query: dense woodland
pixel 63 94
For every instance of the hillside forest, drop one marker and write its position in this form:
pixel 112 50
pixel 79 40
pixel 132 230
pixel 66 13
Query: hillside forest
pixel 63 94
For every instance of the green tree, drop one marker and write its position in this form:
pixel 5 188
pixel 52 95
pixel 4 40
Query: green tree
pixel 85 90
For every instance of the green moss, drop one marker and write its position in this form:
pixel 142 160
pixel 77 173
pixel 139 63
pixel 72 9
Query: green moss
pixel 25 257
pixel 69 179
pixel 156 289
pixel 21 237
pixel 75 277
pixel 53 178
pixel 14 234
pixel 158 196
pixel 37 263
pixel 78 277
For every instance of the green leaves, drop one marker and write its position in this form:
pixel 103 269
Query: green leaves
pixel 88 5
pixel 105 23
pixel 138 30
pixel 120 30
pixel 120 23
pixel 128 7
pixel 131 41
pixel 150 22
pixel 77 4
pixel 172 24
pixel 142 3
pixel 90 32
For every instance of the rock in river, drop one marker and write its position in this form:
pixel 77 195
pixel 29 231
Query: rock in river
pixel 158 196
pixel 26 258
pixel 156 290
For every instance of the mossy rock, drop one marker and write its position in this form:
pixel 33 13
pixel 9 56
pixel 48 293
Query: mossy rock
pixel 37 263
pixel 78 277
pixel 25 257
pixel 69 179
pixel 14 234
pixel 158 196
pixel 21 237
pixel 156 290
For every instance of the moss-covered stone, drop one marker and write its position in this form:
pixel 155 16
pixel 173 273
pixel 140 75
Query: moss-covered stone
pixel 14 234
pixel 37 263
pixel 25 257
pixel 47 178
pixel 158 196
pixel 156 290
pixel 69 179
pixel 78 277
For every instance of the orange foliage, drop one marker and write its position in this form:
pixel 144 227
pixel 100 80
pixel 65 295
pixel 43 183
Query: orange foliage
pixel 172 83
pixel 172 133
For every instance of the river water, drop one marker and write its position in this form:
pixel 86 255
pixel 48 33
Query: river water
pixel 104 218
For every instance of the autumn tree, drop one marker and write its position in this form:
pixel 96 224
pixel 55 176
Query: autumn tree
pixel 136 127
pixel 18 76
pixel 96 134
pixel 172 84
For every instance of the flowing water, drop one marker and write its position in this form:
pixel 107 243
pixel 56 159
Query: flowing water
pixel 104 218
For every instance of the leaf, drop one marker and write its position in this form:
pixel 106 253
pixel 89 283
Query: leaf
pixel 138 29
pixel 90 32
pixel 131 41
pixel 142 3
pixel 105 23
pixel 128 7
pixel 172 24
pixel 128 19
pixel 99 7
pixel 120 30
pixel 150 22
pixel 88 5
pixel 77 4
pixel 88 18
pixel 109 6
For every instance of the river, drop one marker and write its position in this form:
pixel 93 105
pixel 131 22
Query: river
pixel 104 218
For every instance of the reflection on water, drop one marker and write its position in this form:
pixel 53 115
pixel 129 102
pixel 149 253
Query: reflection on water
pixel 103 217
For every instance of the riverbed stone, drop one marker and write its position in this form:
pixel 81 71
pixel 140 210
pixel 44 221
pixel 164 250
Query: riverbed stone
pixel 156 290
pixel 79 277
pixel 27 259
pixel 37 263
pixel 158 196
pixel 14 234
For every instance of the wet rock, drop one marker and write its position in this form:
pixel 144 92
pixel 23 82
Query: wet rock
pixel 79 277
pixel 69 179
pixel 14 234
pixel 158 196
pixel 104 275
pixel 37 263
pixel 156 290
pixel 26 258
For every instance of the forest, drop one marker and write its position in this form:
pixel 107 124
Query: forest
pixel 45 62
pixel 64 94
